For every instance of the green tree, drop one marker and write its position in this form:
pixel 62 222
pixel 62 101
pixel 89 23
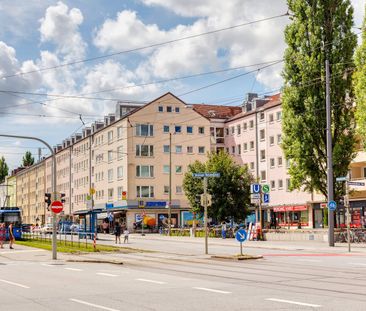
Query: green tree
pixel 360 85
pixel 231 192
pixel 320 30
pixel 4 169
pixel 28 159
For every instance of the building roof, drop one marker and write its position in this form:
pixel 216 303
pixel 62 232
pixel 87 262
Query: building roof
pixel 273 101
pixel 216 111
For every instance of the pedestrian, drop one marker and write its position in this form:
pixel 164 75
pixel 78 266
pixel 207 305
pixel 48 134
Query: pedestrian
pixel 117 232
pixel 223 230
pixel 126 234
pixel 11 236
pixel 2 235
pixel 105 226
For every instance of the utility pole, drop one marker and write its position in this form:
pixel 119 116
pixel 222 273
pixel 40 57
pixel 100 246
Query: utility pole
pixel 54 194
pixel 170 186
pixel 348 215
pixel 330 189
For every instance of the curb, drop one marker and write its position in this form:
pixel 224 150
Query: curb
pixel 235 257
pixel 114 262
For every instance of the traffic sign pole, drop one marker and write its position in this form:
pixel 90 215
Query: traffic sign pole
pixel 348 218
pixel 241 248
pixel 205 212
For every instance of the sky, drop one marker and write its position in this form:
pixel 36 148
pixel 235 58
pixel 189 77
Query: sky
pixel 37 36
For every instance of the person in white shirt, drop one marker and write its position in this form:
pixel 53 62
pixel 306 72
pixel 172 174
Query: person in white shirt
pixel 126 234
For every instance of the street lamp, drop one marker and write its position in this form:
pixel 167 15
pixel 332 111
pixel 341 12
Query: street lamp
pixel 170 186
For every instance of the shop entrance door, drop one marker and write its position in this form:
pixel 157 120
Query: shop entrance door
pixel 318 218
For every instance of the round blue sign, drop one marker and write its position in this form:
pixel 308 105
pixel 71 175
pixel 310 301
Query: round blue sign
pixel 241 235
pixel 332 205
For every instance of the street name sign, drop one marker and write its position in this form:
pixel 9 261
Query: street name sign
pixel 342 178
pixel 332 205
pixel 206 174
pixel 241 235
pixel 356 183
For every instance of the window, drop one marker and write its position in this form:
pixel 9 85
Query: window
pixel 161 109
pixel 271 140
pixel 239 149
pixel 189 129
pixel 245 126
pixel 273 185
pixel 251 124
pixel 166 189
pixel 178 149
pixel 190 149
pixel 233 149
pixel 110 175
pixel 119 132
pixel 201 149
pixel 166 128
pixel 280 184
pixel 251 166
pixel 288 184
pixel 261 116
pixel 263 155
pixel 169 109
pixel 178 169
pixel 232 130
pixel 271 119
pixel 252 145
pixel 227 150
pixel 110 156
pixel 178 190
pixel 263 175
pixel 110 136
pixel 262 135
pixel 166 148
pixel 119 172
pixel 166 169
pixel 177 109
pixel 178 129
pixel 110 194
pixel 144 150
pixel 145 171
pixel 226 131
pixel 279 115
pixel 201 130
pixel 238 129
pixel 145 191
pixel 119 193
pixel 119 152
pixel 245 147
pixel 279 161
pixel 271 162
pixel 144 130
pixel 279 138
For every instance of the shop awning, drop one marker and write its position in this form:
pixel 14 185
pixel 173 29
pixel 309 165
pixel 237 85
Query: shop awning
pixel 290 208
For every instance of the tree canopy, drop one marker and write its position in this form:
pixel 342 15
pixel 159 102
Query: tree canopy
pixel 28 159
pixel 4 169
pixel 231 191
pixel 319 30
pixel 360 85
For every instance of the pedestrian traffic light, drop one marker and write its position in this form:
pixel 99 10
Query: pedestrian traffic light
pixel 62 198
pixel 47 199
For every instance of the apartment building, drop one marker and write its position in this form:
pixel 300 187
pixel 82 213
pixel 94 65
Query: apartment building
pixel 254 138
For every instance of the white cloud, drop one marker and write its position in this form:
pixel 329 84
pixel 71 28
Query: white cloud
pixel 61 27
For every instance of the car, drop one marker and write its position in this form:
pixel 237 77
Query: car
pixel 74 227
pixel 27 227
pixel 47 229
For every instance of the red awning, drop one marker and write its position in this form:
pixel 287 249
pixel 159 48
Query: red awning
pixel 290 208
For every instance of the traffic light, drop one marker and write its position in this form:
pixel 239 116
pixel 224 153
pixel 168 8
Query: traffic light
pixel 62 198
pixel 47 199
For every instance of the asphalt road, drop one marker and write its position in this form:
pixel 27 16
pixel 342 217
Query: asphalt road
pixel 282 280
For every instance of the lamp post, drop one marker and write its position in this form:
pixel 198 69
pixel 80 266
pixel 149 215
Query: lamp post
pixel 170 186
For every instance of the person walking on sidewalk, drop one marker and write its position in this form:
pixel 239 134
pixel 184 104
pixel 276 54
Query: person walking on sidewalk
pixel 117 232
pixel 11 236
pixel 2 235
pixel 126 234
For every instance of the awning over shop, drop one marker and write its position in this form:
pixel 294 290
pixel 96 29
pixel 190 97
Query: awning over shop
pixel 290 208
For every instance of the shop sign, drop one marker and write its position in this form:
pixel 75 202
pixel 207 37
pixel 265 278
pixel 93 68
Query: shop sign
pixel 156 204
pixel 295 208
pixel 109 205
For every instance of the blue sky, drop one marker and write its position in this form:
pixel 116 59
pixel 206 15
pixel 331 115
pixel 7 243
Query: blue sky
pixel 43 33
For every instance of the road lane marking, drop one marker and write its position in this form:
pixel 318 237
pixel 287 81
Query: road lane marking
pixel 106 274
pixel 212 290
pixel 48 265
pixel 15 284
pixel 294 302
pixel 150 281
pixel 92 305
pixel 73 269
pixel 357 263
